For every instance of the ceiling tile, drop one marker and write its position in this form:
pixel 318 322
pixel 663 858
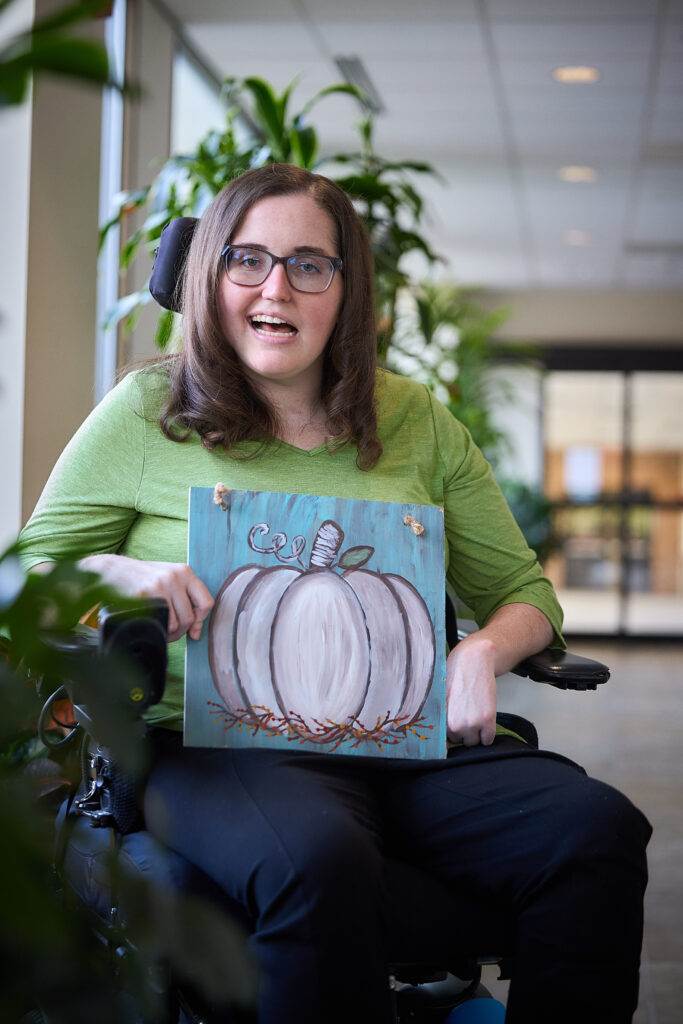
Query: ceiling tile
pixel 574 42
pixel 570 10
pixel 491 118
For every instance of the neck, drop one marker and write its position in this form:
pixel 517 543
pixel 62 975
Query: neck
pixel 300 413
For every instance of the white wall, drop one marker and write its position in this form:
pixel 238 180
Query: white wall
pixel 609 317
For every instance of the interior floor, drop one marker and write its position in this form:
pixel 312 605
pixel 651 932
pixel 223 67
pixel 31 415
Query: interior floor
pixel 628 733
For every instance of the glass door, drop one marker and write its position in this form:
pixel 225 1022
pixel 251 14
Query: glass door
pixel 613 464
pixel 653 603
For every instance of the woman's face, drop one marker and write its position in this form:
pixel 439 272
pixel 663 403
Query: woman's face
pixel 279 333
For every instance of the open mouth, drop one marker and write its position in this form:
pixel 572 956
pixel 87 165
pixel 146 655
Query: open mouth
pixel 272 326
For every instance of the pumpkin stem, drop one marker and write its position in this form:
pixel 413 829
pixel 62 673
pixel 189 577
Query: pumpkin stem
pixel 327 542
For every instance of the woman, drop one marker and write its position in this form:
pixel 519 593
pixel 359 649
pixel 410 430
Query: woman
pixel 276 390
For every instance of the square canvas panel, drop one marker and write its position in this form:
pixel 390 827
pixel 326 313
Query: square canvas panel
pixel 328 630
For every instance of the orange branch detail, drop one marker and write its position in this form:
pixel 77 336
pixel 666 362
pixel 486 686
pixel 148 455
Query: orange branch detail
pixel 386 732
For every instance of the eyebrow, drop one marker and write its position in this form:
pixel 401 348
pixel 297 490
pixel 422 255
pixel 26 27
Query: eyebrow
pixel 310 248
pixel 313 249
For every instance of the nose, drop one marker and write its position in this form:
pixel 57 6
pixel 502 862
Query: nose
pixel 276 286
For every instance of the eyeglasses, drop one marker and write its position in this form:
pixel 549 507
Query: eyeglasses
pixel 306 271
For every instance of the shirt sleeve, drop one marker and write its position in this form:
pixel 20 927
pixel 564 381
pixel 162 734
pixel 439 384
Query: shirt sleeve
pixel 489 561
pixel 89 502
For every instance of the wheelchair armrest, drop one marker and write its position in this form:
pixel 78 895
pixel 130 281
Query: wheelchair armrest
pixel 563 669
pixel 135 634
pixel 560 668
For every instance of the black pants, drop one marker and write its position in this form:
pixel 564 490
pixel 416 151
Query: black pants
pixel 302 841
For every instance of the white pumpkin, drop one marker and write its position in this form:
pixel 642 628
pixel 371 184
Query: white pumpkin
pixel 319 649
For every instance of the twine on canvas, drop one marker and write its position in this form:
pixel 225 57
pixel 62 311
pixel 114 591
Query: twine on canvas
pixel 219 492
pixel 416 527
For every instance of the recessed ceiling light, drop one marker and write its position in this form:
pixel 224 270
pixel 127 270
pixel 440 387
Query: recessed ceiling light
pixel 577 173
pixel 576 236
pixel 576 74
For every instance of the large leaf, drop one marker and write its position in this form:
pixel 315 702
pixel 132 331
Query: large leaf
pixel 283 100
pixel 366 186
pixel 304 142
pixel 123 204
pixel 407 241
pixel 125 306
pixel 269 115
pixel 410 165
pixel 14 81
pixel 164 329
pixel 83 10
pixel 45 47
pixel 331 90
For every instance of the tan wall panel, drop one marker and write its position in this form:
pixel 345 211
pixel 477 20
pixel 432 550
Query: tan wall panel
pixel 62 270
pixel 151 47
pixel 608 317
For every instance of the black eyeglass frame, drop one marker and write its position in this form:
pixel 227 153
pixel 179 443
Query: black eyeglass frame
pixel 336 264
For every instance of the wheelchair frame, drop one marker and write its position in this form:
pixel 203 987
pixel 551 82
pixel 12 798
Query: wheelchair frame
pixel 423 991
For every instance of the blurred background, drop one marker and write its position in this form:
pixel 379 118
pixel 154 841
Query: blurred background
pixel 555 133
pixel 542 299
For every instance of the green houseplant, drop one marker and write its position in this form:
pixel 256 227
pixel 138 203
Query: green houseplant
pixel 54 970
pixel 269 132
pixel 445 338
pixel 52 46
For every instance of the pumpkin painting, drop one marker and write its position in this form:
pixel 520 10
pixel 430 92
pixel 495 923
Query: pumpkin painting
pixel 323 652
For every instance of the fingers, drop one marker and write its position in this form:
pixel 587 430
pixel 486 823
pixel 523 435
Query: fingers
pixel 480 731
pixel 189 601
pixel 202 602
pixel 473 736
pixel 471 695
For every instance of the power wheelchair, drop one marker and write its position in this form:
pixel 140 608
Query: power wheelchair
pixel 102 816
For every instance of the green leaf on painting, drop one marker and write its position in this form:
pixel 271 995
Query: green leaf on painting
pixel 354 558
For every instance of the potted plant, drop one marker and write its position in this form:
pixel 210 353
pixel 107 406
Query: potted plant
pixel 55 973
pixel 260 129
pixel 445 338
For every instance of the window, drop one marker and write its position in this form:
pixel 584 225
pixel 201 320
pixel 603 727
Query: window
pixel 196 105
pixel 613 454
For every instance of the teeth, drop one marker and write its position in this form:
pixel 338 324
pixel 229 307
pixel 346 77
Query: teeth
pixel 261 321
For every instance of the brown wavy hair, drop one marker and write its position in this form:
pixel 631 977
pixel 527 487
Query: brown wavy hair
pixel 210 391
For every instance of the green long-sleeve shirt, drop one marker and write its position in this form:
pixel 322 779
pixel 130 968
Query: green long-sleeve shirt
pixel 121 486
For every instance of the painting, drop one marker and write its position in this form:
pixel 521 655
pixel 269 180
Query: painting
pixel 327 632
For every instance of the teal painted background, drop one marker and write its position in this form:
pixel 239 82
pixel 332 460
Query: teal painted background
pixel 217 545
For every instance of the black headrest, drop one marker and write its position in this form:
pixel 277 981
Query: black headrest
pixel 169 262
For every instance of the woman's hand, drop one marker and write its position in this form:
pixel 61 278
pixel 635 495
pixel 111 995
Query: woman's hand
pixel 189 601
pixel 512 633
pixel 471 692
